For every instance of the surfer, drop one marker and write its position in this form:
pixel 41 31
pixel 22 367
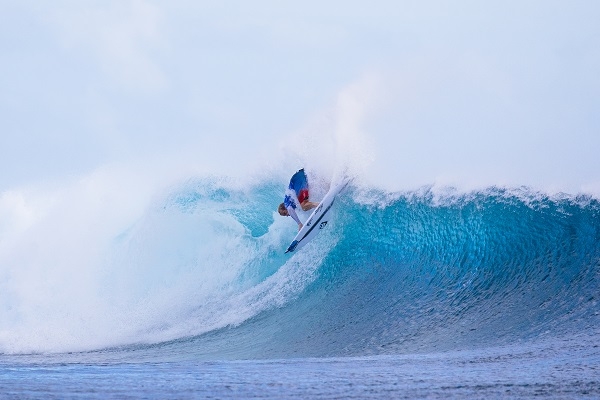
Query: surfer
pixel 296 194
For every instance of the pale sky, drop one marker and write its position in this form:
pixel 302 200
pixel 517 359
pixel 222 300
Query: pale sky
pixel 456 93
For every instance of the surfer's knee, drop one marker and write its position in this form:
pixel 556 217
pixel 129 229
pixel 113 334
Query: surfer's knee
pixel 307 205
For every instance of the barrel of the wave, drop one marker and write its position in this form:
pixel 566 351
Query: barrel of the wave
pixel 319 218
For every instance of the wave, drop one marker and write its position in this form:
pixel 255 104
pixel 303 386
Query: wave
pixel 203 272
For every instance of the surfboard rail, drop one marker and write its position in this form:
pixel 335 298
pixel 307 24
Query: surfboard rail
pixel 319 219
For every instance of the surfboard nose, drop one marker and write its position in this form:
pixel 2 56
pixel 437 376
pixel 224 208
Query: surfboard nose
pixel 292 246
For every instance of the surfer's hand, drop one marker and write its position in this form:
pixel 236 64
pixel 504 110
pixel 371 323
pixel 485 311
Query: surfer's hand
pixel 299 227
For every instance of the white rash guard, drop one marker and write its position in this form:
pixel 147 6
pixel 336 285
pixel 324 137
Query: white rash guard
pixel 290 205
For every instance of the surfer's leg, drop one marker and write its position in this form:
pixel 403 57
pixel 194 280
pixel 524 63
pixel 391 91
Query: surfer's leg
pixel 303 199
pixel 302 196
pixel 307 205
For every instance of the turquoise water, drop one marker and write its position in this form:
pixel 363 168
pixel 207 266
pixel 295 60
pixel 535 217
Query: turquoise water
pixel 410 294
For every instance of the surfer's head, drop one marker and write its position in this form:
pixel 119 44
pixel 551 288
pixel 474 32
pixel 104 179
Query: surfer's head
pixel 282 210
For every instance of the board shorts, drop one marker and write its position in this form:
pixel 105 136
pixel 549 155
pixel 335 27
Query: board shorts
pixel 303 196
pixel 298 184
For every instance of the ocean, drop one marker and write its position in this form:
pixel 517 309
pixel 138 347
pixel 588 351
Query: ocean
pixel 430 293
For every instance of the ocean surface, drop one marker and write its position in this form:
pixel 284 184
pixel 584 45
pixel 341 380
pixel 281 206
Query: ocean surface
pixel 430 293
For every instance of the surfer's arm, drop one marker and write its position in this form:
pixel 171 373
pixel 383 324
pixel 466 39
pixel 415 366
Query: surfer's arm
pixel 292 213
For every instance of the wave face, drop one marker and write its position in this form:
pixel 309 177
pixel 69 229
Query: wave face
pixel 204 273
pixel 421 271
pixel 428 272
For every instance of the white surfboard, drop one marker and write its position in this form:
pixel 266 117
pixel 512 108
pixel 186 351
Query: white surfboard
pixel 317 220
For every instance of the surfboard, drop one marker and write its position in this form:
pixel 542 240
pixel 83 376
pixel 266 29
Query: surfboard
pixel 317 220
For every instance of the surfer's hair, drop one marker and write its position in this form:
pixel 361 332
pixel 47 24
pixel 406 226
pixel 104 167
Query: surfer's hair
pixel 281 208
